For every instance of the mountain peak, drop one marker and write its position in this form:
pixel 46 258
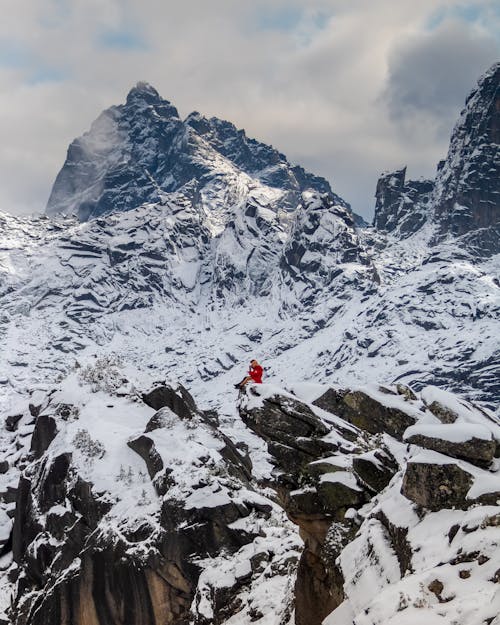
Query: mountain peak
pixel 143 91
pixel 140 151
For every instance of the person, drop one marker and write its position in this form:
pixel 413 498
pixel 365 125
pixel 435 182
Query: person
pixel 254 375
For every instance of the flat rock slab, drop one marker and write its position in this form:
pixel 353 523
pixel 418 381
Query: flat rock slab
pixel 479 451
pixel 365 412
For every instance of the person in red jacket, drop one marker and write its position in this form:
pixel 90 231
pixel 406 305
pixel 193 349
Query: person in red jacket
pixel 254 375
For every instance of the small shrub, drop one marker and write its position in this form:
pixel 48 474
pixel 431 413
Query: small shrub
pixel 87 445
pixel 104 374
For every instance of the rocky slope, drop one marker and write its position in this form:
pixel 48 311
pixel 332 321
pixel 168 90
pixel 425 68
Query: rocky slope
pixel 125 503
pixel 397 500
pixel 131 506
pixel 182 248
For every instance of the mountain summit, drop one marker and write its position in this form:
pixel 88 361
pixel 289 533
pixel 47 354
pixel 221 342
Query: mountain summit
pixel 141 151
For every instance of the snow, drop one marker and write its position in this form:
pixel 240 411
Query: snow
pixel 453 432
pixel 484 484
pixel 340 477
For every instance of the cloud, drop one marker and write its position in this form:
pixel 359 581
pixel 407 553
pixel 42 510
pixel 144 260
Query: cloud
pixel 431 73
pixel 347 88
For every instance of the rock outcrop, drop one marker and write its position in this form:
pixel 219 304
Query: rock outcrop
pixel 402 206
pixel 90 547
pixel 354 436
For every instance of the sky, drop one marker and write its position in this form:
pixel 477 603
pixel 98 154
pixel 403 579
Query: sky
pixel 346 88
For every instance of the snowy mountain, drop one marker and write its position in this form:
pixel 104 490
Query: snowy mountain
pixel 173 251
pixel 140 151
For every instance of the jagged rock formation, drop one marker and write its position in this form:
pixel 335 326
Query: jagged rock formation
pixel 240 255
pixel 123 511
pixel 141 151
pixel 402 206
pixel 124 502
pixel 464 199
pixel 361 498
pixel 467 194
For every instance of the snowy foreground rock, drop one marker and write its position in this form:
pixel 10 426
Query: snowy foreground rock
pixel 123 502
pixel 393 532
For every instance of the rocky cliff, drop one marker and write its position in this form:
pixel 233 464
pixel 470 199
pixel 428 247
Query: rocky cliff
pixel 402 206
pixel 467 196
pixel 123 502
pixel 464 199
pixel 396 496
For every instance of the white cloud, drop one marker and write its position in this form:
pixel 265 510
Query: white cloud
pixel 329 85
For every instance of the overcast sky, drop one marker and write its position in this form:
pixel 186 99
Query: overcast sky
pixel 346 88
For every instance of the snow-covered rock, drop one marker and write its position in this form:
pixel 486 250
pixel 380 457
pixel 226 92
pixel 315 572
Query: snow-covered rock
pixel 124 510
pixel 363 500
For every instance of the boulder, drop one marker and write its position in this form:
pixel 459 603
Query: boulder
pixel 365 412
pixel 479 451
pixel 444 413
pixel 375 471
pixel 145 447
pixel 11 422
pixel 336 497
pixel 177 399
pixel 436 486
pixel 280 418
pixel 44 433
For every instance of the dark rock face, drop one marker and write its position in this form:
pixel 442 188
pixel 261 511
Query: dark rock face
pixel 402 205
pixel 292 431
pixel 436 486
pixel 464 199
pixel 44 433
pixel 322 238
pixel 178 400
pixel 467 199
pixel 297 439
pixel 374 472
pixel 444 413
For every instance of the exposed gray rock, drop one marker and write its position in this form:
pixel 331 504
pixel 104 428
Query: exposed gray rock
pixel 44 433
pixel 374 472
pixel 467 197
pixel 365 412
pixel 402 206
pixel 177 399
pixel 11 422
pixel 437 486
pixel 444 413
pixel 475 450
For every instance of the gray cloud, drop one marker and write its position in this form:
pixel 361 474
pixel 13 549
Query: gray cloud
pixel 431 73
pixel 326 85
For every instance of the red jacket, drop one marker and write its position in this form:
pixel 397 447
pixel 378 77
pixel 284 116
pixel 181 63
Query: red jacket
pixel 256 374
